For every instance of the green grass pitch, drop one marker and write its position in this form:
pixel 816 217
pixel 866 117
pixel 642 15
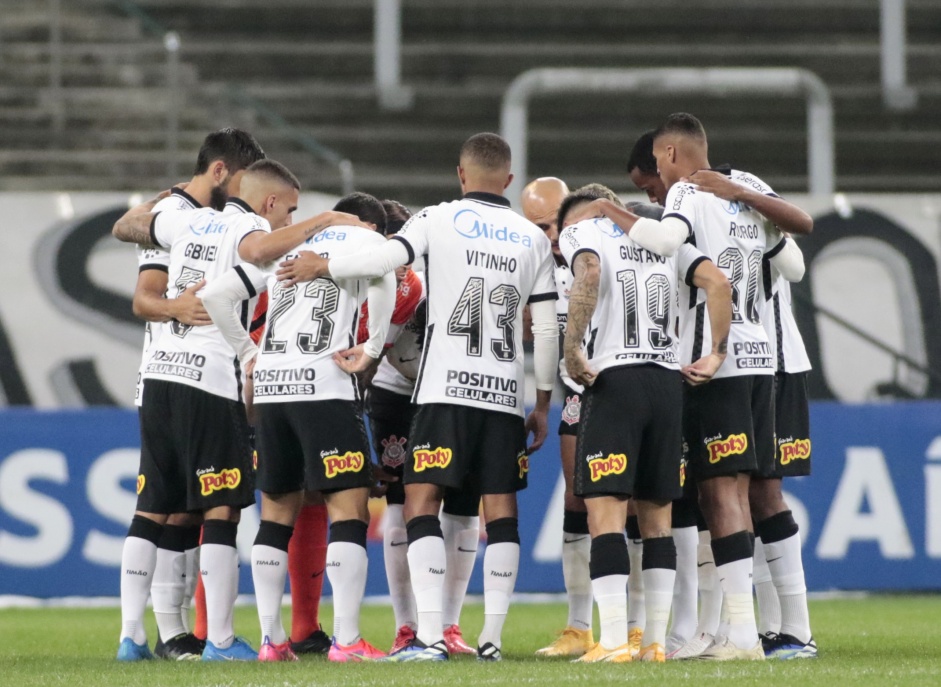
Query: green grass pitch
pixel 883 640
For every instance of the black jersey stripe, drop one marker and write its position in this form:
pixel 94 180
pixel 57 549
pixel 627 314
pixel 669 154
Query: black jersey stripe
pixel 691 272
pixel 411 251
pixel 679 217
pixel 153 231
pixel 698 333
pixel 779 331
pixel 777 249
pixel 153 266
pixel 537 297
pixel 245 280
pixel 766 278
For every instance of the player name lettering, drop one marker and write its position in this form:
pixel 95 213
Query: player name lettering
pixel 284 390
pixel 198 251
pixel 743 231
pixel 303 374
pixel 478 258
pixel 638 254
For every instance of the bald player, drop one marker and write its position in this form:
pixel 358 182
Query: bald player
pixel 541 200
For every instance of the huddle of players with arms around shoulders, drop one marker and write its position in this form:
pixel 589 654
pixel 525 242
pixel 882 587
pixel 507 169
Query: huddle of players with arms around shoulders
pixel 276 331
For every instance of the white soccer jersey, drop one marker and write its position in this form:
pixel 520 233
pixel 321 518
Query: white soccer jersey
pixel 790 355
pixel 307 323
pixel 157 259
pixel 736 238
pixel 399 367
pixel 633 319
pixel 485 262
pixel 203 244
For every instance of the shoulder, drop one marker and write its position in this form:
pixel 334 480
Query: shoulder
pixel 172 202
pixel 680 194
pixel 751 181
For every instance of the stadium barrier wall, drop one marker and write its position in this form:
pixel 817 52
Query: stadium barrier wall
pixel 870 515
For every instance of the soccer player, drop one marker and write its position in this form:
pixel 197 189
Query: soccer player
pixel 540 204
pixel 310 431
pixel 222 158
pixel 195 454
pixel 483 263
pixel 642 169
pixel 784 620
pixel 630 438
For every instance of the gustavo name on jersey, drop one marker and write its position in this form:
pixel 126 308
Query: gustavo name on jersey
pixel 475 386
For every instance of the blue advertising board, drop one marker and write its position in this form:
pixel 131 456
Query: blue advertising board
pixel 870 514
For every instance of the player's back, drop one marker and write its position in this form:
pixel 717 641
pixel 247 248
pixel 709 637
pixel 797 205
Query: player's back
pixel 308 322
pixel 484 263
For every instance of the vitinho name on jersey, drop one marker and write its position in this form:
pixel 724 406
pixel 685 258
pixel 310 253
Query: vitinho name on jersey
pixel 475 386
pixel 478 258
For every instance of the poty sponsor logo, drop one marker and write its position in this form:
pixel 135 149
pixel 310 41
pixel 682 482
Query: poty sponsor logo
pixel 469 224
pixel 439 458
pixel 614 464
pixel 141 481
pixel 349 462
pixel 523 461
pixel 799 449
pixel 216 481
pixel 733 445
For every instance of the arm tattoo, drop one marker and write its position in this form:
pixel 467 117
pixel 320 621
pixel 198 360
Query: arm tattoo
pixel 723 347
pixel 582 300
pixel 316 228
pixel 135 229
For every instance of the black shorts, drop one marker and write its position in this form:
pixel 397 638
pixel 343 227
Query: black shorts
pixel 195 451
pixel 313 445
pixel 792 425
pixel 571 412
pixel 630 436
pixel 482 451
pixel 728 425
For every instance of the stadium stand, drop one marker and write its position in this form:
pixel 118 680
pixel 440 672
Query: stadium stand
pixel 312 63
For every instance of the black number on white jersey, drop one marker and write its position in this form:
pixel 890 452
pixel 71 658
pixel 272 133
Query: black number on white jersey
pixel 326 295
pixel 467 318
pixel 282 298
pixel 733 260
pixel 657 287
pixel 506 295
pixel 187 278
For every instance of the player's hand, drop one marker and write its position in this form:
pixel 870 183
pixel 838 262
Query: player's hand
pixel 703 369
pixel 589 211
pixel 307 266
pixel 354 360
pixel 249 367
pixel 188 307
pixel 576 364
pixel 537 424
pixel 716 183
pixel 383 480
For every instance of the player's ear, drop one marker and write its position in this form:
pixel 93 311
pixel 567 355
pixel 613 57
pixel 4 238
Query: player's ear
pixel 509 180
pixel 218 170
pixel 460 175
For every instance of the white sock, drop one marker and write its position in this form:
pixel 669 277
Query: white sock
pixel 138 559
pixel 189 586
pixel 576 552
pixel 658 595
pixel 636 605
pixel 501 566
pixel 346 569
pixel 219 564
pixel 395 554
pixel 683 625
pixel 427 562
pixel 610 594
pixel 769 610
pixel 710 591
pixel 167 592
pixel 787 571
pixel 269 571
pixel 736 581
pixel 461 536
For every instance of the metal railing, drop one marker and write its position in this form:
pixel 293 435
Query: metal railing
pixel 896 93
pixel 387 56
pixel 514 114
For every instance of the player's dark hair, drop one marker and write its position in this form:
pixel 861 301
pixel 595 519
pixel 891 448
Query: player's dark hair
pixel 236 148
pixel 642 155
pixel 489 151
pixel 585 194
pixel 274 170
pixel 366 207
pixel 396 216
pixel 683 124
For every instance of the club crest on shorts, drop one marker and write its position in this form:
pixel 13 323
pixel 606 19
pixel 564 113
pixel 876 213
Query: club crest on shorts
pixel 141 481
pixel 793 449
pixel 351 461
pixel 572 410
pixel 393 451
pixel 732 445
pixel 614 464
pixel 523 461
pixel 210 482
pixel 426 458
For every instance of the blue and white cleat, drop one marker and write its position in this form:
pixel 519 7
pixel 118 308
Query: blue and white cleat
pixel 787 647
pixel 418 652
pixel 240 650
pixel 129 652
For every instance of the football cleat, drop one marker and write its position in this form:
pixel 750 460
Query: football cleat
pixel 674 642
pixel 489 653
pixel 634 638
pixel 599 654
pixel 274 653
pixel 403 639
pixel 317 642
pixel 652 653
pixel 240 650
pixel 725 650
pixel 786 647
pixel 570 642
pixel 454 640
pixel 129 651
pixel 184 647
pixel 693 648
pixel 354 653
pixel 419 652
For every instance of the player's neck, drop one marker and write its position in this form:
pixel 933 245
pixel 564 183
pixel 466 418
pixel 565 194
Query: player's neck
pixel 200 190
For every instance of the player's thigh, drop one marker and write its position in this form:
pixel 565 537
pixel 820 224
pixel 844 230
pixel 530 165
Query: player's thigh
pixel 442 442
pixel 718 428
pixel 658 475
pixel 792 425
pixel 280 456
pixel 336 451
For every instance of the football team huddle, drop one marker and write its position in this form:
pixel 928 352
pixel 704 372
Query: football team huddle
pixel 268 339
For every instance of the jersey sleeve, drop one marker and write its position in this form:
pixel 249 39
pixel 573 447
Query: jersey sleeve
pixel 579 238
pixel 166 226
pixel 415 233
pixel 688 258
pixel 259 318
pixel 152 259
pixel 248 224
pixel 753 182
pixel 681 203
pixel 544 284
